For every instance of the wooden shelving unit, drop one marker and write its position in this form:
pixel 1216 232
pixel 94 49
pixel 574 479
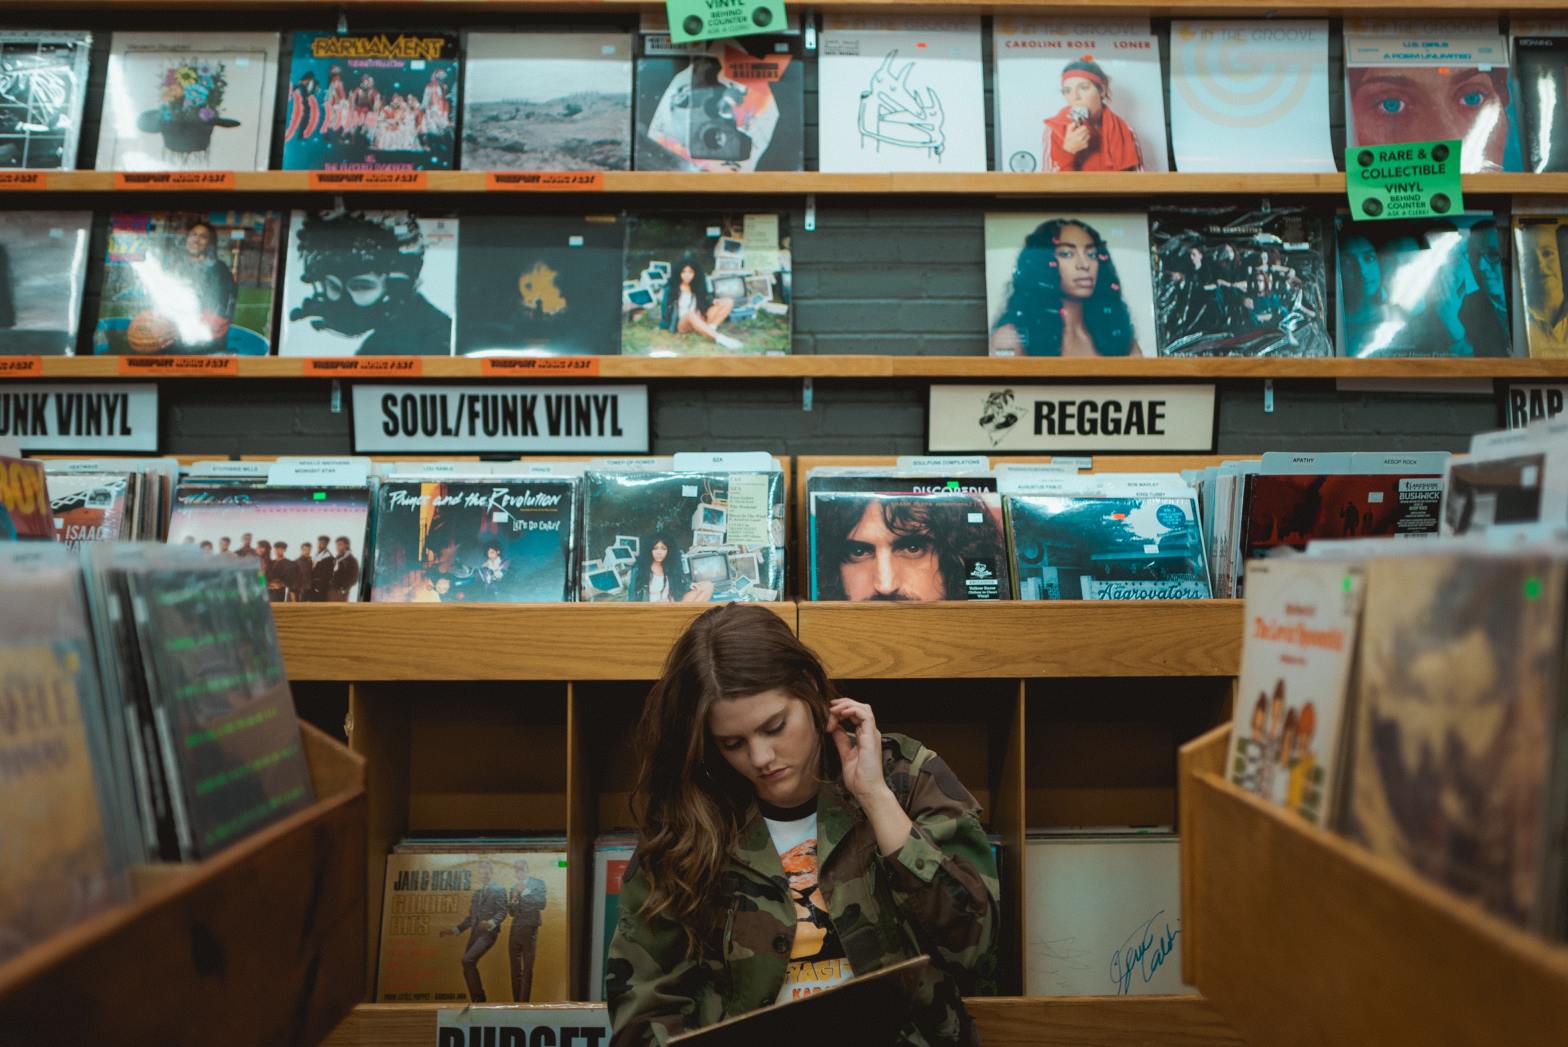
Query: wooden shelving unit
pixel 1283 918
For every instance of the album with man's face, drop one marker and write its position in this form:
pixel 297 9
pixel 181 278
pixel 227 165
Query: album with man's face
pixel 935 545
pixel 1540 244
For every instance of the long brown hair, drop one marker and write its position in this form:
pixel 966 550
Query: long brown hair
pixel 688 801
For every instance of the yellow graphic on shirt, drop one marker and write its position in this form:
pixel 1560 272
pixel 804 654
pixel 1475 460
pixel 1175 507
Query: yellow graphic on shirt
pixel 809 970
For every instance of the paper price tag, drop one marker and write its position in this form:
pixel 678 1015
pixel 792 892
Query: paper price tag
pixel 715 19
pixel 21 367
pixel 137 180
pixel 545 181
pixel 340 181
pixel 363 367
pixel 181 366
pixel 1407 180
pixel 23 180
pixel 540 367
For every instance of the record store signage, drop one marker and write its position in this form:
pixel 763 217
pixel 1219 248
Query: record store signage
pixel 1404 180
pixel 1014 418
pixel 1532 401
pixel 520 419
pixel 513 1026
pixel 87 417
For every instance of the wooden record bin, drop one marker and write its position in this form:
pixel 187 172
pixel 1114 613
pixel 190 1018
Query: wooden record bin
pixel 260 942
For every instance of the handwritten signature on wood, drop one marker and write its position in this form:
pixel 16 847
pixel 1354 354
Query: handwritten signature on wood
pixel 1143 953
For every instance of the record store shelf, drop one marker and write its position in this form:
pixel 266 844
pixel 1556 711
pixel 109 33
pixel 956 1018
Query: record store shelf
pixel 1283 918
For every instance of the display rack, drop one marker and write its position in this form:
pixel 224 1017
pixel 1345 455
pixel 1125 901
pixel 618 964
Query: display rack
pixel 1284 918
pixel 261 941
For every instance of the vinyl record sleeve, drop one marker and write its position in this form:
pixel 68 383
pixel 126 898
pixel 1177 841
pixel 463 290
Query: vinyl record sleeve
pixel 192 101
pixel 1541 67
pixel 1429 287
pixel 369 283
pixel 1230 281
pixel 547 102
pixel 43 267
pixel 1284 513
pixel 185 283
pixel 1501 493
pixel 89 507
pixel 1540 242
pixel 1040 268
pixel 465 541
pixel 726 105
pixel 371 102
pixel 43 84
pixel 682 537
pixel 539 285
pixel 739 298
pixel 900 94
pixel 24 501
pixel 1081 547
pixel 610 859
pixel 1046 68
pixel 1250 95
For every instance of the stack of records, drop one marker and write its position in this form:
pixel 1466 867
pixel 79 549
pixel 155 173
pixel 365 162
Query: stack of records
pixel 43 269
pixel 24 501
pixel 41 97
pixel 110 499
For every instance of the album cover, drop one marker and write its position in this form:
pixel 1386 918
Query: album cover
pixel 197 101
pixel 1431 79
pixel 1285 512
pixel 699 285
pixel 1458 707
pixel 369 283
pixel 944 545
pixel 1486 494
pixel 371 102
pixel 1540 242
pixel 1250 95
pixel 682 537
pixel 484 926
pixel 471 541
pixel 43 83
pixel 1231 281
pixel 1426 287
pixel 539 285
pixel 611 856
pixel 1296 656
pixel 189 283
pixel 24 501
pixel 890 480
pixel 89 507
pixel 276 526
pixel 900 93
pixel 1073 284
pixel 43 266
pixel 1542 76
pixel 1106 547
pixel 1078 95
pixel 725 105
pixel 547 102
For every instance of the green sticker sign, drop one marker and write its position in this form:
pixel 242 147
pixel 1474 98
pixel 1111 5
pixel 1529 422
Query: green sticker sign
pixel 693 20
pixel 1406 180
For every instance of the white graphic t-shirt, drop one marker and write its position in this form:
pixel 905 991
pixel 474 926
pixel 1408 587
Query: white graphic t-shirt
pixel 817 961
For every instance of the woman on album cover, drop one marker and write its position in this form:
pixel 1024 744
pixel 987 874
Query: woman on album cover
pixel 1065 298
pixel 1086 135
pixel 786 844
pixel 690 306
pixel 659 575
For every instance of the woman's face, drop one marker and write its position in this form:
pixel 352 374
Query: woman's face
pixel 1078 90
pixel 1077 261
pixel 198 241
pixel 1426 105
pixel 659 552
pixel 771 741
pixel 688 274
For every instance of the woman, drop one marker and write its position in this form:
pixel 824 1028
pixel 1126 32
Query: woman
pixel 1086 135
pixel 689 305
pixel 748 757
pixel 1065 298
pixel 658 576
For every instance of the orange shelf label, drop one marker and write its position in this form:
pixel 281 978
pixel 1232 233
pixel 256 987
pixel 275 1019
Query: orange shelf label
pixel 340 180
pixel 541 366
pixel 22 180
pixel 174 179
pixel 182 366
pixel 545 181
pixel 21 366
pixel 362 366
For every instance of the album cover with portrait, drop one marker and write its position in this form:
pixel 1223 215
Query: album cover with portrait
pixel 1540 244
pixel 1234 281
pixel 1106 547
pixel 371 102
pixel 43 84
pixel 471 541
pixel 43 269
pixel 1404 83
pixel 547 101
pixel 724 105
pixel 682 537
pixel 1078 95
pixel 1423 287
pixel 1075 284
pixel 539 285
pixel 369 283
pixel 878 545
pixel 189 101
pixel 900 93
pixel 1541 74
pixel 1250 95
pixel 189 283
pixel 706 285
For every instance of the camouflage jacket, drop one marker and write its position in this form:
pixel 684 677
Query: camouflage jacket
pixel 937 895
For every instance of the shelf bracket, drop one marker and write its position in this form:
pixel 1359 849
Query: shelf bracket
pixel 342 22
pixel 337 397
pixel 808 20
pixel 806 394
pixel 1268 396
pixel 811 212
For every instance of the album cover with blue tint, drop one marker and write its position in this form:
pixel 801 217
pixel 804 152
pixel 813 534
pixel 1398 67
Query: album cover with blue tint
pixel 1076 547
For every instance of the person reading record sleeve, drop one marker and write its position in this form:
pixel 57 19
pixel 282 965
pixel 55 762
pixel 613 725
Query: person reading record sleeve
pixel 1065 298
pixel 786 845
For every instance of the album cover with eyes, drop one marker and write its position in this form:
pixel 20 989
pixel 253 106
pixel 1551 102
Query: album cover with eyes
pixel 1106 547
pixel 43 270
pixel 1427 80
pixel 43 83
pixel 1078 95
pixel 879 545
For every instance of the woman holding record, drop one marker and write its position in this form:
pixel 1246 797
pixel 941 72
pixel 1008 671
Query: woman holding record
pixel 748 757
pixel 1065 298
pixel 1086 135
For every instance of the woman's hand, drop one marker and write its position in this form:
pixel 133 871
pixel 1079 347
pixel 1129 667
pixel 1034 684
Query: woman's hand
pixel 853 727
pixel 1076 140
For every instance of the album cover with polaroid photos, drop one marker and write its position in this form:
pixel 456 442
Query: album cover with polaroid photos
pixel 700 285
pixel 682 537
pixel 539 285
pixel 942 545
pixel 43 84
pixel 43 270
pixel 1106 547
